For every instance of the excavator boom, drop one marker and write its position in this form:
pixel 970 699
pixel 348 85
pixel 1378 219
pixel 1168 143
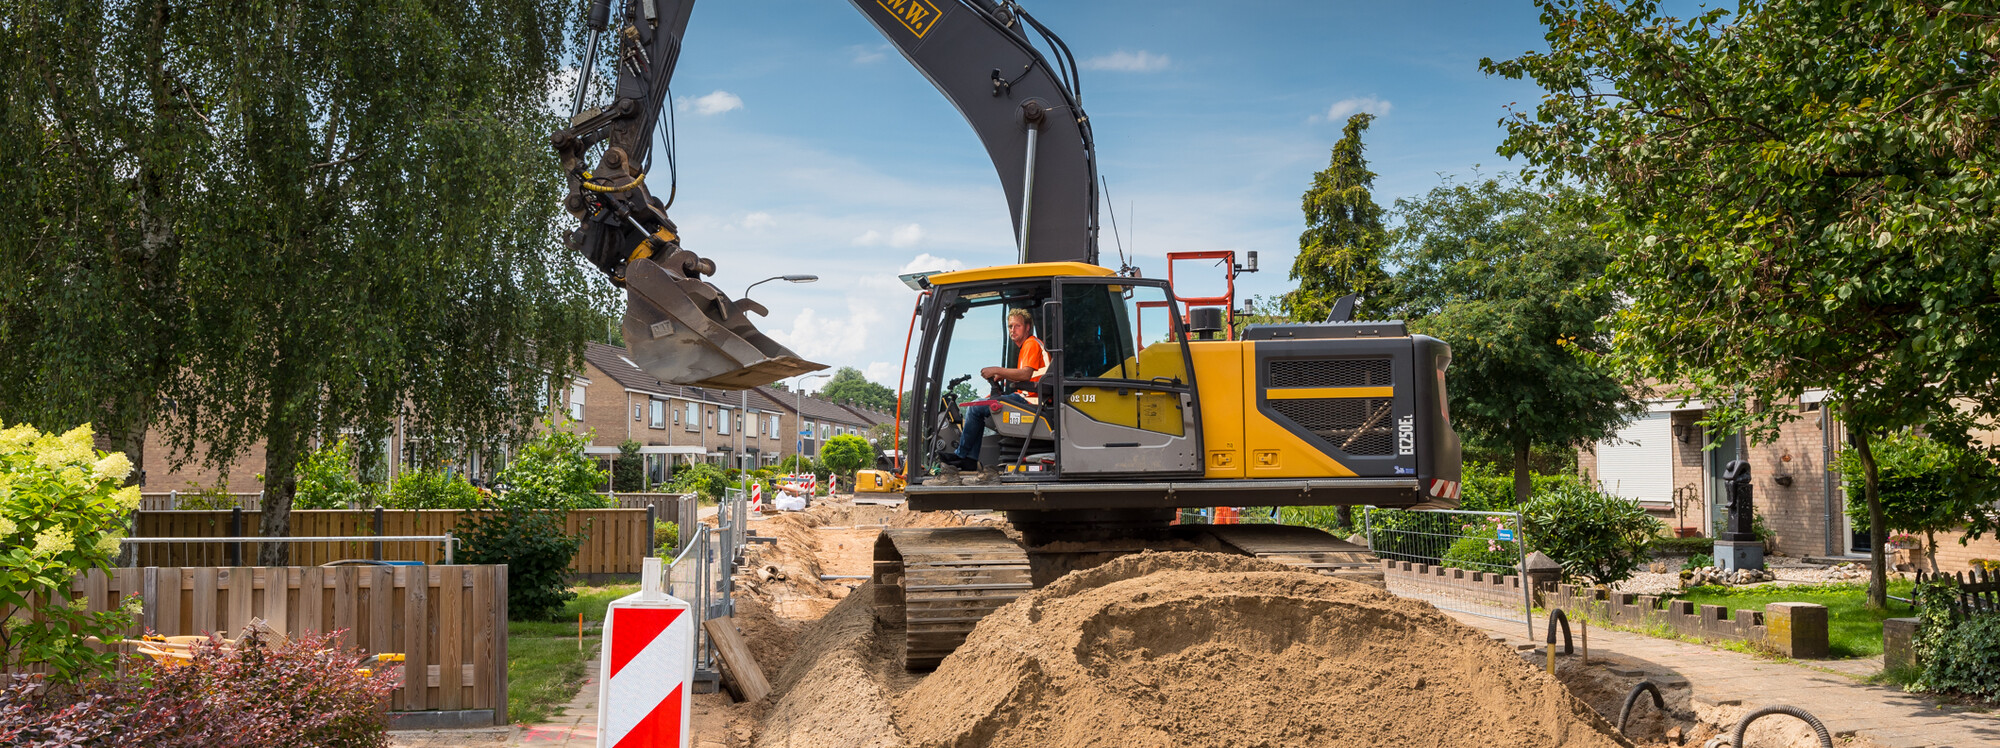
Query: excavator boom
pixel 679 326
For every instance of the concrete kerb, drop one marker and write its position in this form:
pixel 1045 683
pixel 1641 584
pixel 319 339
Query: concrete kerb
pixel 1797 630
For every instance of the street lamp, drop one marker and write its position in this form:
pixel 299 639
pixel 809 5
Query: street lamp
pixel 792 278
pixel 799 396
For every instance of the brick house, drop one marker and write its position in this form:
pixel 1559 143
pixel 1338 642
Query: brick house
pixel 1668 463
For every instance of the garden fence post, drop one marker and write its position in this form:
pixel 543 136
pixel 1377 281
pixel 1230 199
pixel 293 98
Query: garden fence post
pixel 378 533
pixel 236 531
pixel 650 540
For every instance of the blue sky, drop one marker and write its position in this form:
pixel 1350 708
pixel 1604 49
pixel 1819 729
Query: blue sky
pixel 807 145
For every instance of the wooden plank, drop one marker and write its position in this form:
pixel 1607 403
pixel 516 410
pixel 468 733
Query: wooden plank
pixel 737 664
pixel 238 605
pixel 499 626
pixel 277 610
pixel 167 618
pixel 451 633
pixel 381 612
pixel 416 637
pixel 203 618
pixel 482 639
pixel 346 598
pixel 310 617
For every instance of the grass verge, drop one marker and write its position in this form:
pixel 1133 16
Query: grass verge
pixel 1852 629
pixel 545 665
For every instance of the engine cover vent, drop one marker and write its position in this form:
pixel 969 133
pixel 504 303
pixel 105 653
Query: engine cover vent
pixel 1336 372
pixel 1355 425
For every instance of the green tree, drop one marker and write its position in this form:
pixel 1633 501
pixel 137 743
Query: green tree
pixel 553 473
pixel 418 488
pixel 62 513
pixel 850 387
pixel 1800 196
pixel 1925 485
pixel 1506 275
pixel 701 479
pixel 845 454
pixel 285 220
pixel 628 472
pixel 1340 252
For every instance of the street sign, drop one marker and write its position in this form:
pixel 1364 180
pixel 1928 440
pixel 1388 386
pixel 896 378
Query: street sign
pixel 1506 533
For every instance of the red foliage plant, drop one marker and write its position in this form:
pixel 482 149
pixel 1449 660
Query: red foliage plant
pixel 305 693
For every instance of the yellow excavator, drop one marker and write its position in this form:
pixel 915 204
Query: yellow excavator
pixel 1147 406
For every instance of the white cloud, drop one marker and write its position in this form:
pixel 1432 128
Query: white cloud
pixel 928 262
pixel 863 54
pixel 715 103
pixel 757 220
pixel 1345 108
pixel 562 92
pixel 906 235
pixel 881 372
pixel 832 338
pixel 1122 61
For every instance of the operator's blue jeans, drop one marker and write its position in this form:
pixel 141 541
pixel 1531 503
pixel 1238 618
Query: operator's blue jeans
pixel 975 424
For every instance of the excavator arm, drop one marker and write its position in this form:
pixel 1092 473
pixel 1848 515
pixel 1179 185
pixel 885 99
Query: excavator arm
pixel 682 328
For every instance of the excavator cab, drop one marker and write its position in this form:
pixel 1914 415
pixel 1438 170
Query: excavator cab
pixel 1118 398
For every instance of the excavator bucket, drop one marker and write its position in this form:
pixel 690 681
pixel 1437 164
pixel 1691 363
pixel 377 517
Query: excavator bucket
pixel 684 331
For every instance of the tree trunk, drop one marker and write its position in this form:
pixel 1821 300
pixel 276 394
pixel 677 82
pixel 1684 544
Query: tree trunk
pixel 1930 549
pixel 1878 573
pixel 1523 485
pixel 1344 515
pixel 281 459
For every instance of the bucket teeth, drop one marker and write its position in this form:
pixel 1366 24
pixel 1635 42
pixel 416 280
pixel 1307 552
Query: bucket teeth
pixel 684 331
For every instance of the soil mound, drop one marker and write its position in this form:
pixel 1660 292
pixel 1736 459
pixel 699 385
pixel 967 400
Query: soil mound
pixel 1202 649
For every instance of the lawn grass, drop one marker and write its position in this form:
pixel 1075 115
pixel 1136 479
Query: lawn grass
pixel 1852 629
pixel 544 663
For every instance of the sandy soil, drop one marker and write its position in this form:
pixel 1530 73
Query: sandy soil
pixel 1183 649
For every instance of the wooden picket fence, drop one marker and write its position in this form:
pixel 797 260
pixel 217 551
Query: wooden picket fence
pixel 450 622
pixel 1978 592
pixel 614 542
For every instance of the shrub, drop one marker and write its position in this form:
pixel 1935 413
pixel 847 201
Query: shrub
pixel 305 694
pixel 537 550
pixel 1699 561
pixel 701 479
pixel 1961 656
pixel 1925 485
pixel 552 472
pixel 197 497
pixel 1594 535
pixel 628 472
pixel 62 512
pixel 847 453
pixel 666 538
pixel 1486 487
pixel 1481 548
pixel 327 479
pixel 431 489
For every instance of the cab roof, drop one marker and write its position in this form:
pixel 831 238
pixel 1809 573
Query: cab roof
pixel 1018 272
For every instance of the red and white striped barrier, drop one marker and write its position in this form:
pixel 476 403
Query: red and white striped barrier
pixel 756 497
pixel 646 673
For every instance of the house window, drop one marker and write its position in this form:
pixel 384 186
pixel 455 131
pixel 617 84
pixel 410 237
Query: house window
pixel 659 414
pixel 739 422
pixel 774 427
pixel 722 424
pixel 576 402
pixel 694 416
pixel 635 411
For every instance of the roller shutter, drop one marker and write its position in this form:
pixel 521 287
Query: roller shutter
pixel 1639 465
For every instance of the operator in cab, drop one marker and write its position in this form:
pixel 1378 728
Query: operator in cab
pixel 1029 366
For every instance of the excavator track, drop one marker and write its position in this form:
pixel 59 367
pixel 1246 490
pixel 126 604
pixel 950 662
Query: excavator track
pixel 939 582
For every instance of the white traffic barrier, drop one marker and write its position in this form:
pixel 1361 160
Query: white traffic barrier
pixel 647 668
pixel 756 497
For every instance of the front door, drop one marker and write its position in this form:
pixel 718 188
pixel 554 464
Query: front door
pixel 1125 383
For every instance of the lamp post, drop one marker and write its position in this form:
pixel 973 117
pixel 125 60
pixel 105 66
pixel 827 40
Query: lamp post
pixel 791 278
pixel 799 396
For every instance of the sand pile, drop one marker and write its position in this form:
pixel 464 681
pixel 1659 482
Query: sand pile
pixel 1200 649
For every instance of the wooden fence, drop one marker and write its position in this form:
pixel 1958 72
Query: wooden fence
pixel 1978 592
pixel 450 622
pixel 614 542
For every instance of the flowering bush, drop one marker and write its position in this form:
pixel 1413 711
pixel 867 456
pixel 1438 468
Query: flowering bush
pixel 62 511
pixel 1481 548
pixel 306 693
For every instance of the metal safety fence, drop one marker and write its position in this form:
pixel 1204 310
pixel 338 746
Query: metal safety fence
pixel 703 571
pixel 1479 544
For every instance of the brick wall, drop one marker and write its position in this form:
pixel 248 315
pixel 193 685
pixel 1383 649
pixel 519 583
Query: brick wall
pixel 160 477
pixel 1953 557
pixel 1796 514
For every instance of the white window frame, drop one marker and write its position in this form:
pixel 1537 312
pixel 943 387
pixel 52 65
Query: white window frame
pixel 722 423
pixel 777 429
pixel 694 417
pixel 658 412
pixel 576 393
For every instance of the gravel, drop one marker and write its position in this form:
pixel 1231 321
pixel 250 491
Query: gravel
pixel 1789 573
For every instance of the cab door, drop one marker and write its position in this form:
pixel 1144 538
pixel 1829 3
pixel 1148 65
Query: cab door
pixel 1124 381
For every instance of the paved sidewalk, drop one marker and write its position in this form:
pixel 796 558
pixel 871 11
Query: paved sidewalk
pixel 1883 714
pixel 575 728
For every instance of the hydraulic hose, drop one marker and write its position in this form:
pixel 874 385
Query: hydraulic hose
pixel 1625 712
pixel 1819 730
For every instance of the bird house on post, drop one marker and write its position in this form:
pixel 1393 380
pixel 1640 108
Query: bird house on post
pixel 1738 546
